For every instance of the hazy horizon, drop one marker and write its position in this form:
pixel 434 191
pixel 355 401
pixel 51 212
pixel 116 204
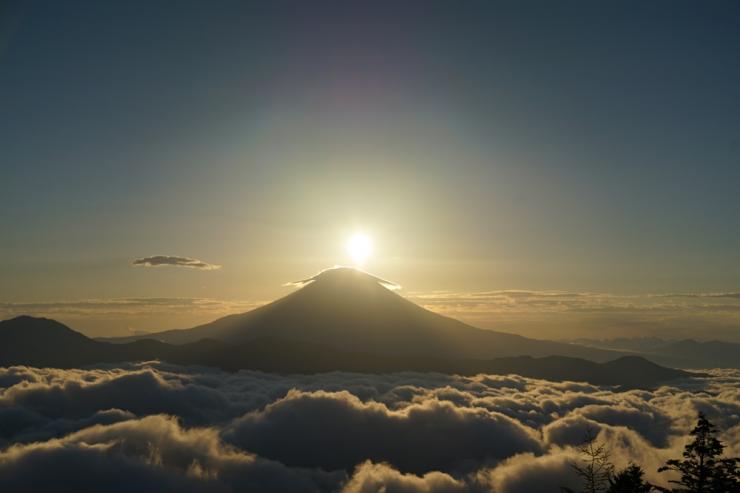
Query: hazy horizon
pixel 537 314
pixel 483 148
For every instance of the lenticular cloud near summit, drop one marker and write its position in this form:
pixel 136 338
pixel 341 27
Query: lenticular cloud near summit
pixel 164 427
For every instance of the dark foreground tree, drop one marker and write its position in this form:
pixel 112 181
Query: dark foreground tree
pixel 629 480
pixel 596 469
pixel 702 468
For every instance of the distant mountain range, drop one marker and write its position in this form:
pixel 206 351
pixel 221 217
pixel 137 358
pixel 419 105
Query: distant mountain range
pixel 353 311
pixel 42 342
pixel 341 319
pixel 686 353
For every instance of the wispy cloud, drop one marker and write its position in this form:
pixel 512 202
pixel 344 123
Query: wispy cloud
pixel 513 301
pixel 558 314
pixel 174 261
pixel 123 316
pixel 341 271
pixel 540 314
pixel 125 306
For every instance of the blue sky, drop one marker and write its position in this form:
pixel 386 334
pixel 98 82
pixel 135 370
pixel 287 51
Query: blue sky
pixel 580 146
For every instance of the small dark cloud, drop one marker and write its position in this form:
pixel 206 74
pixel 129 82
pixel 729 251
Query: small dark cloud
pixel 175 261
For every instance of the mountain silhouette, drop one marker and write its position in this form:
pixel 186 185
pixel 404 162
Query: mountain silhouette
pixel 339 320
pixel 35 341
pixel 689 353
pixel 42 342
pixel 355 311
pixel 686 353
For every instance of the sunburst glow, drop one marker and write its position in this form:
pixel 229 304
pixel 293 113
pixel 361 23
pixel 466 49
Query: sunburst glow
pixel 359 247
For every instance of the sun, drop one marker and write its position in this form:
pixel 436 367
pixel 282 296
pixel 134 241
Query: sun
pixel 359 247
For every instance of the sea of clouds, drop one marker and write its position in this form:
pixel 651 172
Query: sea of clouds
pixel 160 427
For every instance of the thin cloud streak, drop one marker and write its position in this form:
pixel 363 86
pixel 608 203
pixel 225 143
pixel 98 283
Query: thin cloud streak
pixel 174 261
pixel 539 314
pixel 124 316
pixel 563 314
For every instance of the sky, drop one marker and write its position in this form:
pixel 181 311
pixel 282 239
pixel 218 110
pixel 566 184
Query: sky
pixel 572 150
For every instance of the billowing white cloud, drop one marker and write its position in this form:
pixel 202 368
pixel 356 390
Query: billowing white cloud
pixel 170 428
pixel 337 430
pixel 372 478
pixel 153 454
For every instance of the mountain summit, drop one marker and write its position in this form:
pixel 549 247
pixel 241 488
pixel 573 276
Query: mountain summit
pixel 352 310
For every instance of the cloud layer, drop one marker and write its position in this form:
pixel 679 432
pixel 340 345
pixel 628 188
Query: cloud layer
pixel 539 314
pixel 168 428
pixel 175 261
pixel 558 314
pixel 127 316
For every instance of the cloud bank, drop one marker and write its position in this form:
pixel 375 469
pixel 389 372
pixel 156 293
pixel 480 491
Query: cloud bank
pixel 539 314
pixel 161 427
pixel 558 314
pixel 175 261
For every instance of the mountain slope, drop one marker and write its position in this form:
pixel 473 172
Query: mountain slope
pixel 353 311
pixel 43 342
pixel 34 341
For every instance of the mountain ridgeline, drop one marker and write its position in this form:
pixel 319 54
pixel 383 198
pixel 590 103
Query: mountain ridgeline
pixel 46 343
pixel 340 320
pixel 686 353
pixel 354 311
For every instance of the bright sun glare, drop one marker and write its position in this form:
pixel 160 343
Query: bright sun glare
pixel 359 247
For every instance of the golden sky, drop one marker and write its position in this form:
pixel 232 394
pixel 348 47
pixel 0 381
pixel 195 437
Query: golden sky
pixel 484 149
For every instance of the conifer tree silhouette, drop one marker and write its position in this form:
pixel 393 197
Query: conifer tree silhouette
pixel 702 468
pixel 629 480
